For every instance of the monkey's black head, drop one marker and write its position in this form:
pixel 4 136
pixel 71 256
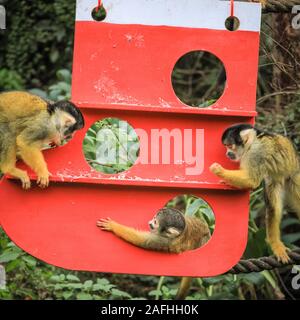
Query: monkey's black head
pixel 168 222
pixel 232 135
pixel 67 117
pixel 236 137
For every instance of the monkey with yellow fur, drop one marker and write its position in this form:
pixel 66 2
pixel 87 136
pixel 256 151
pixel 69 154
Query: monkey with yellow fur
pixel 171 232
pixel 28 123
pixel 264 157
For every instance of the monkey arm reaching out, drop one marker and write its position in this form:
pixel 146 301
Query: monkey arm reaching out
pixel 236 178
pixel 264 157
pixel 133 236
pixel 171 231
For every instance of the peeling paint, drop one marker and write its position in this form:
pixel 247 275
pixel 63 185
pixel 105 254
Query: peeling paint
pixel 137 39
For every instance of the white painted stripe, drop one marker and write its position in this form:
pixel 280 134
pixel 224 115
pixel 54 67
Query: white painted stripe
pixel 209 14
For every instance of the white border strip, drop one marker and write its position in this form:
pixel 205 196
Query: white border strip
pixel 210 14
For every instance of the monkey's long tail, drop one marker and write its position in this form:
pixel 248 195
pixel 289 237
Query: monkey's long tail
pixel 184 288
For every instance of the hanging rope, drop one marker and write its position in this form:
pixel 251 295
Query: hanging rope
pixel 231 8
pixel 280 5
pixel 99 5
pixel 264 263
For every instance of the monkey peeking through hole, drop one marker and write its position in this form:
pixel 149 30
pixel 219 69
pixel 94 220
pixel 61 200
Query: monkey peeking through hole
pixel 170 231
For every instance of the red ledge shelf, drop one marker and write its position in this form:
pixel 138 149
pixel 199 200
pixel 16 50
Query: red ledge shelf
pixel 134 182
pixel 185 110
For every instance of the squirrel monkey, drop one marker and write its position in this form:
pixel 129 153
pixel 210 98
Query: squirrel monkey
pixel 264 157
pixel 27 124
pixel 170 231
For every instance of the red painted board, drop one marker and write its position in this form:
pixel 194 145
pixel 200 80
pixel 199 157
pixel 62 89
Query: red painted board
pixel 59 227
pixel 122 69
pixel 194 146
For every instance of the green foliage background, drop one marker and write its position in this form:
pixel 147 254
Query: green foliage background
pixel 39 40
pixel 36 54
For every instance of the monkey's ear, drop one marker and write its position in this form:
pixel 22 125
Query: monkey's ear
pixel 248 136
pixel 173 232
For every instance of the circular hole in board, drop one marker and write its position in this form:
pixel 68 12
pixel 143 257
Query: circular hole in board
pixel 198 79
pixel 194 207
pixel 232 23
pixel 111 146
pixel 99 13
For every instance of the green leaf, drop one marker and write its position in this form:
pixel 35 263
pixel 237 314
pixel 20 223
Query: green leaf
pixel 9 256
pixel 291 238
pixel 290 221
pixel 67 294
pixel 255 278
pixel 39 93
pixel 269 278
pixel 193 207
pixel 97 287
pixel 74 285
pixel 88 284
pixel 30 261
pixel 62 277
pixel 120 294
pixel 12 265
pixel 71 277
pixel 54 56
pixel 155 293
pixel 84 296
pixel 54 279
pixel 257 245
pixel 103 281
pixel 64 75
pixel 58 286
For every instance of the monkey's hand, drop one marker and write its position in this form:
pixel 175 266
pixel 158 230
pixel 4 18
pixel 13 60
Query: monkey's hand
pixel 105 224
pixel 217 169
pixel 43 180
pixel 25 182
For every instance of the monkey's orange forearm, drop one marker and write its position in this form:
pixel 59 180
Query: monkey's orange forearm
pixel 33 157
pixel 128 234
pixel 238 179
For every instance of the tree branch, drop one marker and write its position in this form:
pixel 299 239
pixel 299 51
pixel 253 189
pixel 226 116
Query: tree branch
pixel 280 6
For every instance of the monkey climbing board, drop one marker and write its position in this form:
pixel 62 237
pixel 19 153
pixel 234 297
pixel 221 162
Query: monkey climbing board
pixel 122 69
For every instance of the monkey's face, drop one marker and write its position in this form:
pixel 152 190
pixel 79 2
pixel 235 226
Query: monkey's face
pixel 236 139
pixel 168 223
pixel 153 224
pixel 66 119
pixel 234 152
